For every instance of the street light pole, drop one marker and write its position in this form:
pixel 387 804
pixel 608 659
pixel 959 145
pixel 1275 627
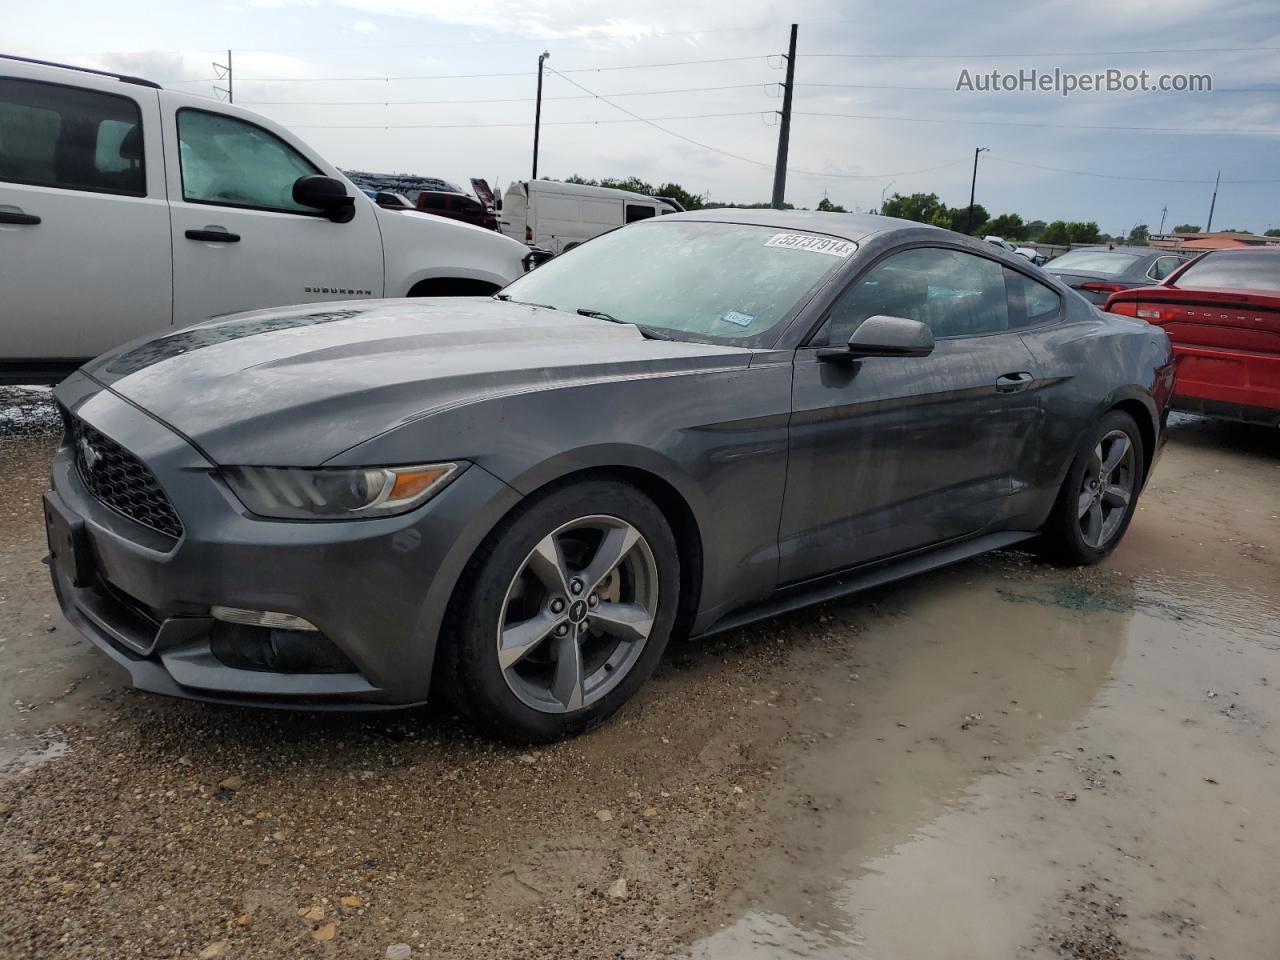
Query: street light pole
pixel 537 113
pixel 883 192
pixel 973 186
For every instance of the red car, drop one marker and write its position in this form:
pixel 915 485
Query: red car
pixel 1222 313
pixel 457 206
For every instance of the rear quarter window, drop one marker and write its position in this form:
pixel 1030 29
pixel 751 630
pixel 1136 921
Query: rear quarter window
pixel 70 138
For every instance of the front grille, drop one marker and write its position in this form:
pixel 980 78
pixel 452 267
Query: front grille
pixel 122 481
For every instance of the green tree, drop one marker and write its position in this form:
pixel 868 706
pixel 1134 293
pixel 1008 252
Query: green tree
pixel 690 201
pixel 920 207
pixel 1140 234
pixel 1034 229
pixel 962 223
pixel 1186 228
pixel 826 206
pixel 1082 232
pixel 1273 232
pixel 1007 225
pixel 1056 232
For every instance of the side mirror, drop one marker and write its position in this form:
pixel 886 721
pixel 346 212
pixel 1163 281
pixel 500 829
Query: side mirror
pixel 325 194
pixel 536 258
pixel 882 336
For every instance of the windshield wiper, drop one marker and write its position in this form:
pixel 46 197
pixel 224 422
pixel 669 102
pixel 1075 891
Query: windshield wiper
pixel 600 315
pixel 506 298
pixel 649 333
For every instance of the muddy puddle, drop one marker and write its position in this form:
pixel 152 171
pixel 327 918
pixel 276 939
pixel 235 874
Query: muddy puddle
pixel 1078 766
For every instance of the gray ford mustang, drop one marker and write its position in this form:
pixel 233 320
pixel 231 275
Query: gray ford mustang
pixel 681 426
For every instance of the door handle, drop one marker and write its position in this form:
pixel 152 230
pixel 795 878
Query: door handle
pixel 21 219
pixel 1014 382
pixel 213 236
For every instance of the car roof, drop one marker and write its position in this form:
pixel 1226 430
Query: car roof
pixel 848 226
pixel 1131 251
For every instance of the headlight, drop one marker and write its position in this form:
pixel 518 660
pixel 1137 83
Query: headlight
pixel 293 493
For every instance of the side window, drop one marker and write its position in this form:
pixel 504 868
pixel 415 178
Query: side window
pixel 957 294
pixel 1163 267
pixel 1030 302
pixel 637 212
pixel 232 163
pixel 430 201
pixel 72 139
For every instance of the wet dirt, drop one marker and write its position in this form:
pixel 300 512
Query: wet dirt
pixel 999 760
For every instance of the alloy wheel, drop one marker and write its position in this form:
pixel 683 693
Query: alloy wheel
pixel 1107 488
pixel 578 613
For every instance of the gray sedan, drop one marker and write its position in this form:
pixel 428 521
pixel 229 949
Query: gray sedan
pixel 1097 272
pixel 682 426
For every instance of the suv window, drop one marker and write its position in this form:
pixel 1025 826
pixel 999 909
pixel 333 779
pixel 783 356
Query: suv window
pixel 637 212
pixel 1030 302
pixel 73 139
pixel 955 293
pixel 233 163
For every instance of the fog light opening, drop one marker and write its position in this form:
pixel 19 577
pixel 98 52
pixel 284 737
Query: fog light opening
pixel 261 618
pixel 247 647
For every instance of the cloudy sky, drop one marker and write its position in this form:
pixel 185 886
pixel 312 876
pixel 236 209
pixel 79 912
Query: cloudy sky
pixel 887 71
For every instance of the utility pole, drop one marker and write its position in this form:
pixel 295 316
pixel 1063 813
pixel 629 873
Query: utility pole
pixel 1208 227
pixel 973 186
pixel 223 71
pixel 1164 212
pixel 537 112
pixel 784 132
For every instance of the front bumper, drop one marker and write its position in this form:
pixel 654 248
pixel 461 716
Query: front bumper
pixel 377 589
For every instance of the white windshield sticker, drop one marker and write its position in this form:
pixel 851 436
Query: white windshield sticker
pixel 738 318
pixel 813 243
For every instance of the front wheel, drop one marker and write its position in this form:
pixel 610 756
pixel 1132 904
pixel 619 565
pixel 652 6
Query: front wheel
pixel 1099 495
pixel 569 608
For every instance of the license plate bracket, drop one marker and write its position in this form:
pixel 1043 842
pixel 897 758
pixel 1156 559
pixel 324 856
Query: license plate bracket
pixel 69 549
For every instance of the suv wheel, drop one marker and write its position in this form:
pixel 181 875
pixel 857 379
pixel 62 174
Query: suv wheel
pixel 570 606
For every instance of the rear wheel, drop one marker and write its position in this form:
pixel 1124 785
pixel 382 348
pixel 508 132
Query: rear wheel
pixel 1099 495
pixel 570 607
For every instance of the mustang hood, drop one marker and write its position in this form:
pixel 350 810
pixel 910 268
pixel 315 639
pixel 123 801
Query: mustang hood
pixel 297 386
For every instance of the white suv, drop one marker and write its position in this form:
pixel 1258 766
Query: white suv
pixel 126 208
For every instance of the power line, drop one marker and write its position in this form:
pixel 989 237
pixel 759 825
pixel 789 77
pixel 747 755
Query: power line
pixel 522 123
pixel 1035 123
pixel 475 76
pixel 734 156
pixel 1048 53
pixel 583 96
pixel 1116 176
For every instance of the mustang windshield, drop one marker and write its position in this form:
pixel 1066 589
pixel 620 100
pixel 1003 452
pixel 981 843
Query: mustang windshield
pixel 716 280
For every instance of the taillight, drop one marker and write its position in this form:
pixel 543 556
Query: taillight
pixel 1126 308
pixel 1101 287
pixel 1147 313
pixel 528 234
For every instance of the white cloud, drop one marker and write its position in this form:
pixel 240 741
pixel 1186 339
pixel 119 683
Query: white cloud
pixel 365 26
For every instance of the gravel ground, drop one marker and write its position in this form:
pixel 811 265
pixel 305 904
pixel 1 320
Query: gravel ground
pixel 1044 763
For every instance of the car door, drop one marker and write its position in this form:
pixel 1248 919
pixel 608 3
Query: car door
pixel 890 454
pixel 240 241
pixel 84 223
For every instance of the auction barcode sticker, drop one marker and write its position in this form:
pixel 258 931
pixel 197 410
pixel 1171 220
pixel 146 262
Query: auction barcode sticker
pixel 813 243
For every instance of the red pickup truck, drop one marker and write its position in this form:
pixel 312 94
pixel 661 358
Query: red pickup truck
pixel 1222 313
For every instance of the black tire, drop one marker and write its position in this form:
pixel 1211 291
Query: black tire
pixel 469 655
pixel 1064 539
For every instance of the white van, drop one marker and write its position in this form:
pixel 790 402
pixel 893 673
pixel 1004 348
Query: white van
pixel 126 209
pixel 558 216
